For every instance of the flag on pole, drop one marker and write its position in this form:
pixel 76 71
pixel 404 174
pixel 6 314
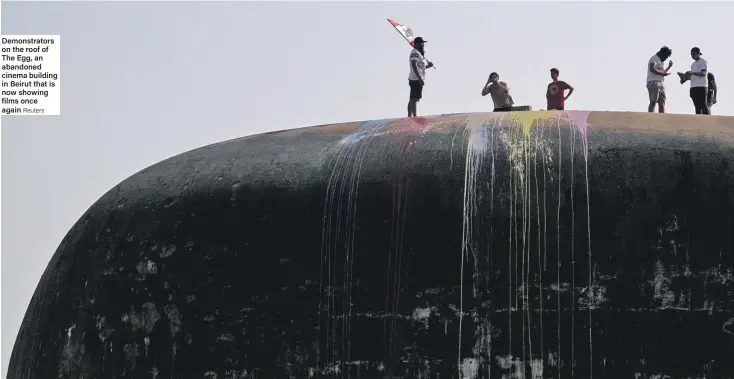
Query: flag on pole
pixel 406 32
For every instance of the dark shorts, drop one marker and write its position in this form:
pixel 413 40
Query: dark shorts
pixel 556 108
pixel 416 89
pixel 503 109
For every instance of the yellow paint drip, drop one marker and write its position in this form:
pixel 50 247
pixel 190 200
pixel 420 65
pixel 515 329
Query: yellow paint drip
pixel 527 119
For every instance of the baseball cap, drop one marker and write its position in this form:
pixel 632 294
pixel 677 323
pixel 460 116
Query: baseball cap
pixel 419 40
pixel 696 50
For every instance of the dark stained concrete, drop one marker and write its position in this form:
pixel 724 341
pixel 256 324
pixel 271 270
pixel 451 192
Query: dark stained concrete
pixel 590 245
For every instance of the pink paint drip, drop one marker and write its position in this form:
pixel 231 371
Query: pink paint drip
pixel 581 121
pixel 412 127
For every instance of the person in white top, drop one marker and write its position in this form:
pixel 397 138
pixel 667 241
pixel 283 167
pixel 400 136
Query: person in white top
pixel 417 76
pixel 699 81
pixel 655 78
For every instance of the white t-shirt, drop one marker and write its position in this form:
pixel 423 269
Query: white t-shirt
pixel 651 76
pixel 697 66
pixel 416 56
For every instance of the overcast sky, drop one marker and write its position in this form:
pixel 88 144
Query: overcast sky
pixel 144 81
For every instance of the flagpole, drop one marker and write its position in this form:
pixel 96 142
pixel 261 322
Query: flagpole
pixel 409 41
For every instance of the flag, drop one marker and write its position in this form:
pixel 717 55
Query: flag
pixel 404 31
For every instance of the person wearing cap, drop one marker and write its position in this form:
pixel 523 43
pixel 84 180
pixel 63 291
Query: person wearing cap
pixel 699 81
pixel 655 78
pixel 500 93
pixel 417 76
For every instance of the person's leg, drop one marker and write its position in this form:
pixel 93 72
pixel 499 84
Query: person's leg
pixel 701 101
pixel 653 96
pixel 415 96
pixel 704 101
pixel 692 93
pixel 418 96
pixel 661 98
pixel 410 99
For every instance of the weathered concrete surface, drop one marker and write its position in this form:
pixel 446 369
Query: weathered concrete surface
pixel 528 244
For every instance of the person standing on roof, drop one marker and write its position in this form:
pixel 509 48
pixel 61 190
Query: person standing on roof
pixel 417 76
pixel 699 82
pixel 500 93
pixel 554 94
pixel 713 91
pixel 655 78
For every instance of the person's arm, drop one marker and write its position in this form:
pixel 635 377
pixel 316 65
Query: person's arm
pixel 503 86
pixel 714 90
pixel 670 65
pixel 655 71
pixel 485 90
pixel 570 90
pixel 704 71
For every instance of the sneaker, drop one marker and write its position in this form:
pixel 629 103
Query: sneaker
pixel 682 77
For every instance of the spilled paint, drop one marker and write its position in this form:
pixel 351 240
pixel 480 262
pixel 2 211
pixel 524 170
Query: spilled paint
pixel 411 129
pixel 525 299
pixel 527 139
pixel 478 144
pixel 337 243
pixel 528 150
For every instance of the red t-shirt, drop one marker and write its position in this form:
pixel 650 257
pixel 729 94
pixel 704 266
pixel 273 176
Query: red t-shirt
pixel 555 95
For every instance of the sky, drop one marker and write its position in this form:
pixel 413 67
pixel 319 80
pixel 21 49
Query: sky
pixel 142 81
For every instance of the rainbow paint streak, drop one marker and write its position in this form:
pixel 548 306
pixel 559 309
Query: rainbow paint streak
pixel 526 137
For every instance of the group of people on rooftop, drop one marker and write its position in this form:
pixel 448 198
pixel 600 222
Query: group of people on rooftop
pixel 703 85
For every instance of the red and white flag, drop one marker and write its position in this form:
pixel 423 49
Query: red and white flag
pixel 404 31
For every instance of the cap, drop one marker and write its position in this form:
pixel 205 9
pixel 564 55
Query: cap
pixel 696 50
pixel 419 40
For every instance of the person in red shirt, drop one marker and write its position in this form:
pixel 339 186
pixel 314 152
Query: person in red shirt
pixel 554 94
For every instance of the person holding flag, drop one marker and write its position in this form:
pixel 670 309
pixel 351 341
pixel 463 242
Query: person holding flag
pixel 417 76
pixel 418 65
